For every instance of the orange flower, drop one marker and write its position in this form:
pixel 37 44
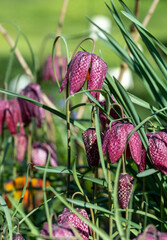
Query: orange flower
pixel 35 194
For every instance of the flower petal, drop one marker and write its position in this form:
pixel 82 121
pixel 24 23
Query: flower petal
pixel 79 72
pixel 90 141
pixel 97 75
pixel 135 143
pixel 158 150
pixel 66 79
pixel 117 141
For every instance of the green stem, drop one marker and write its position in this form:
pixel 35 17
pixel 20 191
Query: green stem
pixel 29 151
pixel 162 204
pixel 68 139
pixel 109 196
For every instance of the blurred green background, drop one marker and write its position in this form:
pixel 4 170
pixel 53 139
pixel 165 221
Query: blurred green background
pixel 39 18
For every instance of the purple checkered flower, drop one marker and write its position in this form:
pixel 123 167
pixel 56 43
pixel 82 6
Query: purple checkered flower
pixel 40 154
pixel 30 110
pixel 90 141
pixel 21 146
pixel 84 66
pixel 158 150
pixel 60 68
pixel 69 217
pixel 13 116
pixel 59 231
pixel 151 233
pixel 125 185
pixel 18 236
pixel 115 140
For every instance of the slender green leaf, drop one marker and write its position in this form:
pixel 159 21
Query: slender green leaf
pixel 27 220
pixel 147 173
pixel 116 205
pixel 7 214
pixel 98 134
pixel 64 170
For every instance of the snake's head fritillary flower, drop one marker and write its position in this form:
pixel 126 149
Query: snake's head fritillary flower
pixel 3 104
pixel 30 110
pixel 62 231
pixel 13 115
pixel 90 141
pixel 69 217
pixel 150 233
pixel 125 185
pixel 21 146
pixel 158 150
pixel 84 66
pixel 60 64
pixel 17 236
pixel 40 154
pixel 115 140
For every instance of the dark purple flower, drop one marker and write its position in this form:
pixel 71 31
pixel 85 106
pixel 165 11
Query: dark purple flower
pixel 85 65
pixel 69 217
pixel 158 150
pixel 40 154
pixel 18 236
pixel 3 104
pixel 28 109
pixel 125 185
pixel 103 118
pixel 21 146
pixel 58 231
pixel 13 116
pixel 115 140
pixel 91 147
pixel 150 233
pixel 60 68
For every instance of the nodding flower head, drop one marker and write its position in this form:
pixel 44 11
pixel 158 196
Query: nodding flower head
pixel 60 64
pixel 17 236
pixel 125 185
pixel 84 66
pixel 115 140
pixel 62 231
pixel 90 141
pixel 69 217
pixel 157 144
pixel 40 154
pixel 28 109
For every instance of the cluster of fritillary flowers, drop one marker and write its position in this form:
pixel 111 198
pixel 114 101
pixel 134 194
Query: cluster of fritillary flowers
pixel 69 225
pixel 115 139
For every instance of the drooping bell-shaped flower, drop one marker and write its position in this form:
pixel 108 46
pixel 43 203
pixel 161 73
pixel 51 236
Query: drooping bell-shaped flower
pixel 28 109
pixel 62 231
pixel 69 217
pixel 3 104
pixel 125 185
pixel 21 146
pixel 60 64
pixel 115 140
pixel 102 116
pixel 17 236
pixel 84 66
pixel 158 150
pixel 13 115
pixel 40 154
pixel 151 233
pixel 90 141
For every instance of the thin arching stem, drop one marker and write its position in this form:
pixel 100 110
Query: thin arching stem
pixel 79 44
pixel 68 139
pixel 91 211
